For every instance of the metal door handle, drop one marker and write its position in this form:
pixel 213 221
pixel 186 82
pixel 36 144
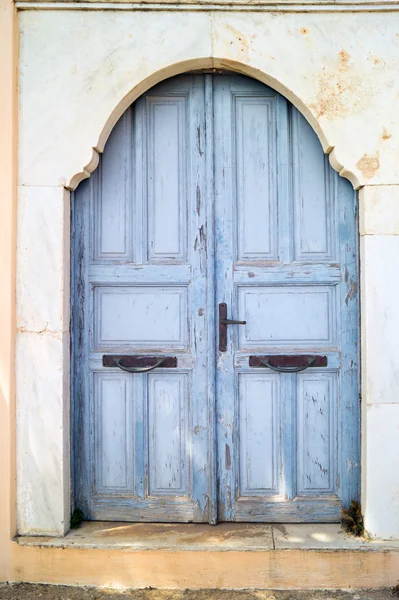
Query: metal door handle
pixel 288 363
pixel 232 322
pixel 223 322
pixel 310 362
pixel 138 364
pixel 138 369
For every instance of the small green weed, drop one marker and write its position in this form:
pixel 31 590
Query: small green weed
pixel 352 519
pixel 76 518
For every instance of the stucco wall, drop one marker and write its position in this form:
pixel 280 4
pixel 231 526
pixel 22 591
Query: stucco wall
pixel 8 173
pixel 79 70
pixel 337 68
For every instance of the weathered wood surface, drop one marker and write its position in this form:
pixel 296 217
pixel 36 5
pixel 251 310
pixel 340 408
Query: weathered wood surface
pixel 212 188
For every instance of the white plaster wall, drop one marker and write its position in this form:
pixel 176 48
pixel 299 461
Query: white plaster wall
pixel 79 70
pixel 339 69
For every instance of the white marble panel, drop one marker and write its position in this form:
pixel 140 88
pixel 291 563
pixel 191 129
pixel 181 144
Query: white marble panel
pixel 43 259
pixel 380 473
pixel 380 318
pixel 379 210
pixel 43 456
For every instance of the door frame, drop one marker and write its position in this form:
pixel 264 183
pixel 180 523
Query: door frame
pixel 76 282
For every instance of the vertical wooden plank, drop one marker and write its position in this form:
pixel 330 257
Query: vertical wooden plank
pixel 80 314
pixel 349 397
pixel 201 305
pixel 211 298
pixel 225 253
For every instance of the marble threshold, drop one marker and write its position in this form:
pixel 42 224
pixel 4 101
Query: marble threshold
pixel 255 537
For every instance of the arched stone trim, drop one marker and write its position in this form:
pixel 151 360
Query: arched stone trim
pixel 211 63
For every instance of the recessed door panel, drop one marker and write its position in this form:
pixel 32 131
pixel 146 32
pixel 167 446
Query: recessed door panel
pixel 168 137
pixel 169 438
pixel 113 433
pixel 143 316
pixel 259 423
pixel 317 398
pixel 112 222
pixel 287 315
pixel 255 165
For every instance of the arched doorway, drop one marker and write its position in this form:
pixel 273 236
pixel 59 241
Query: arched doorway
pixel 215 344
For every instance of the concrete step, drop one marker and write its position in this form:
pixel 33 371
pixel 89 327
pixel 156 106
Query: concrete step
pixel 228 555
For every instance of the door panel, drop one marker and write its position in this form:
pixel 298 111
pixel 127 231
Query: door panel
pixel 297 315
pixel 260 447
pixel 281 450
pixel 214 189
pixel 255 147
pixel 166 179
pixel 167 426
pixel 114 460
pixel 165 309
pixel 313 196
pixel 142 289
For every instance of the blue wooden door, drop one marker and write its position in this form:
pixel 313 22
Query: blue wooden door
pixel 286 263
pixel 214 192
pixel 141 289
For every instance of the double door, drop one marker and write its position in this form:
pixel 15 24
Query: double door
pixel 215 314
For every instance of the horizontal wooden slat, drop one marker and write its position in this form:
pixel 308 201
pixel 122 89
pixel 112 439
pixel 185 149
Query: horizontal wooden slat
pixel 258 274
pixel 324 510
pixel 163 274
pixel 146 510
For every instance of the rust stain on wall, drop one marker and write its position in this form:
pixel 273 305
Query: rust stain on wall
pixel 369 165
pixel 344 57
pixel 386 135
pixel 241 40
pixel 340 89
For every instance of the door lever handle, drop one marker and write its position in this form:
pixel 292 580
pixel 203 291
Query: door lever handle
pixel 232 322
pixel 223 322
